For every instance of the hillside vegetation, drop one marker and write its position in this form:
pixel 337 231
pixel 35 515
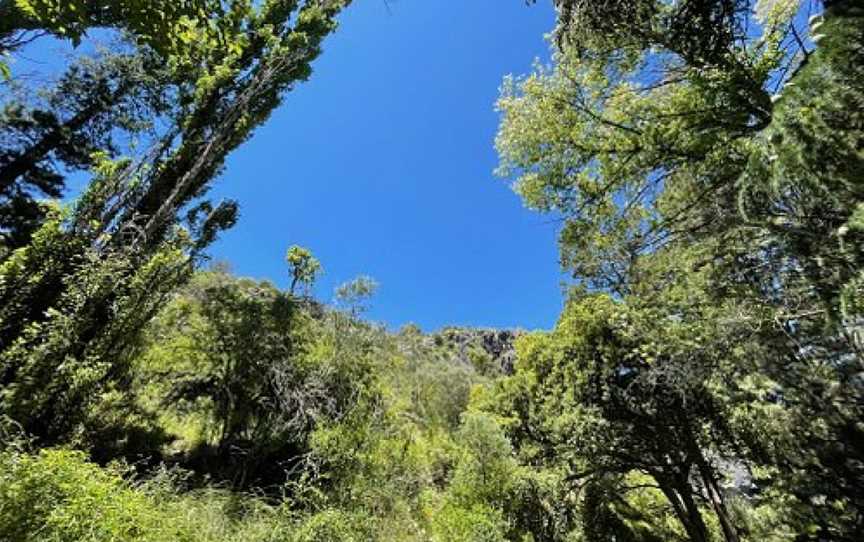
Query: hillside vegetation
pixel 704 381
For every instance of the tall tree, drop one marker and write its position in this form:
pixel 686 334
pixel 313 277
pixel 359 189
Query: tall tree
pixel 804 184
pixel 666 126
pixel 645 386
pixel 636 137
pixel 242 350
pixel 72 301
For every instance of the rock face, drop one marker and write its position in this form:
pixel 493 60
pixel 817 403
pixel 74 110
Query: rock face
pixel 485 349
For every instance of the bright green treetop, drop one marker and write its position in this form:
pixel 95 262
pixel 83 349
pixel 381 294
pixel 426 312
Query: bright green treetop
pixel 303 266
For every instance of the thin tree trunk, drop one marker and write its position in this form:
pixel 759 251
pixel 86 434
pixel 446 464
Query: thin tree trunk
pixel 699 529
pixel 681 498
pixel 715 496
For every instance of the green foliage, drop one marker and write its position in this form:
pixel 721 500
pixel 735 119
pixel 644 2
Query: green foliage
pixel 805 176
pixel 57 496
pixel 722 222
pixel 333 526
pixel 471 509
pixel 74 300
pixel 249 372
pixel 703 382
pixel 163 25
pixel 477 523
pixel 605 402
pixel 355 294
pixel 634 141
pixel 54 367
pixel 304 267
pixel 486 466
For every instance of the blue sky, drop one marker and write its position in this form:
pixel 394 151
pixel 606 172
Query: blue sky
pixel 382 164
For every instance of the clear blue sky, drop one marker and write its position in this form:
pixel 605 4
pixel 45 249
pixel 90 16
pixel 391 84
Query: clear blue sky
pixel 382 164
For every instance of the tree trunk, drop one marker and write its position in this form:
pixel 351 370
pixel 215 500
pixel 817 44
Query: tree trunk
pixel 698 530
pixel 715 496
pixel 680 495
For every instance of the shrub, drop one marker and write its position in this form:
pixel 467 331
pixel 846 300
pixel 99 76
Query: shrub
pixel 333 526
pixel 57 496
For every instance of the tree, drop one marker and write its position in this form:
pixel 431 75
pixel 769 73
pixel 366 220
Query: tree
pixel 804 185
pixel 661 130
pixel 96 109
pixel 238 347
pixel 304 267
pixel 262 369
pixel 176 30
pixel 698 139
pixel 639 133
pixel 475 507
pixel 354 295
pixel 702 32
pixel 618 390
pixel 78 295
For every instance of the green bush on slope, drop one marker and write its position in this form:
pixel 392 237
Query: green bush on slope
pixel 56 495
